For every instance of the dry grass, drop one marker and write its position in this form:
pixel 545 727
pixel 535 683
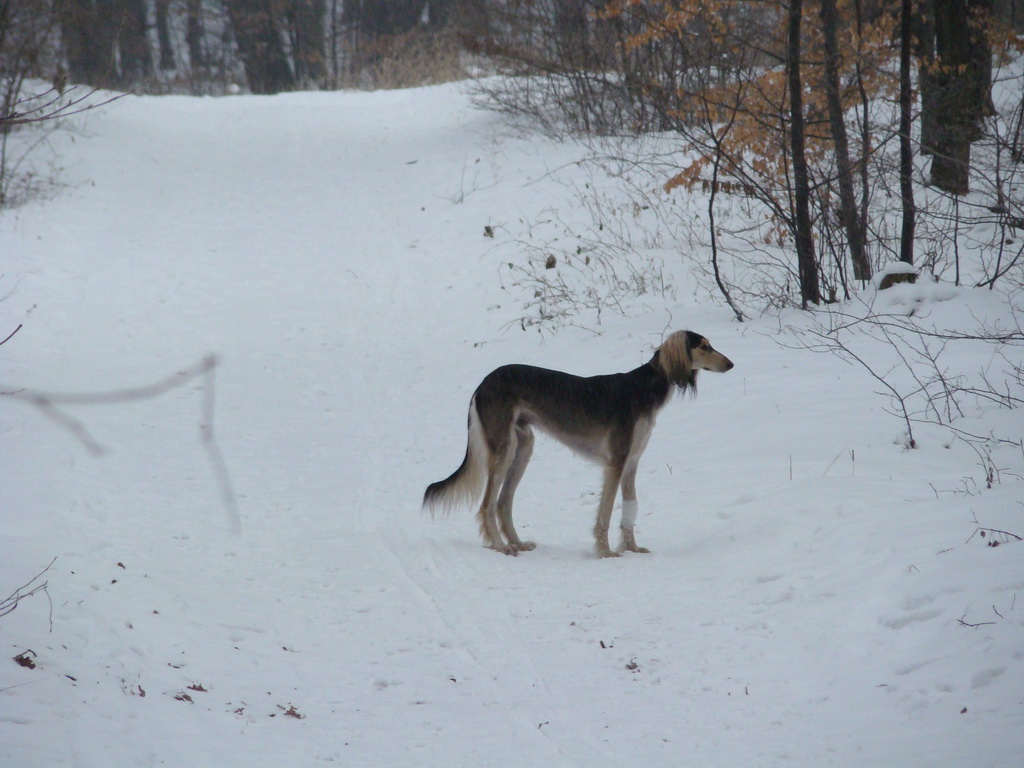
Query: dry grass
pixel 409 60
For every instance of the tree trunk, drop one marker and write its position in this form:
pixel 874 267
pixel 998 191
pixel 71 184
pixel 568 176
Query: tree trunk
pixel 306 24
pixel 906 147
pixel 964 88
pixel 848 203
pixel 924 34
pixel 163 35
pixel 951 156
pixel 981 53
pixel 88 30
pixel 377 18
pixel 712 228
pixel 133 43
pixel 371 23
pixel 810 291
pixel 981 59
pixel 467 17
pixel 866 141
pixel 571 34
pixel 194 31
pixel 443 13
pixel 258 35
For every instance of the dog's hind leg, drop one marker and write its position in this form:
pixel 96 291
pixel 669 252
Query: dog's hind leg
pixel 524 450
pixel 497 469
pixel 612 475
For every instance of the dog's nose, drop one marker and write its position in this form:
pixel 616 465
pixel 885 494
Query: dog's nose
pixel 729 365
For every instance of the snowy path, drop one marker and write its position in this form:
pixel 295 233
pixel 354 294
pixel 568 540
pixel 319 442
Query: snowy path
pixel 798 609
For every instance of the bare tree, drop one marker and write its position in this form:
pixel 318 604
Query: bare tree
pixel 906 122
pixel 962 88
pixel 194 34
pixel 26 29
pixel 136 57
pixel 384 17
pixel 257 31
pixel 848 205
pixel 163 34
pixel 810 290
pixel 89 33
pixel 305 20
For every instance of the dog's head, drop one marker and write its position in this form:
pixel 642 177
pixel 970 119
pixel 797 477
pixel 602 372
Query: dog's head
pixel 684 353
pixel 704 356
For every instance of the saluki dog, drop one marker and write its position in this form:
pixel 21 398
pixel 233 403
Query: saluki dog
pixel 605 418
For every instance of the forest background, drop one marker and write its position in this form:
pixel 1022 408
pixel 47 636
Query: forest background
pixel 816 111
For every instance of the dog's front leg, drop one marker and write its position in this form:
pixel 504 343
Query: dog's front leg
pixel 612 474
pixel 627 540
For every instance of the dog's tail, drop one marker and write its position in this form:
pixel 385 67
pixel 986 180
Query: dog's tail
pixel 464 485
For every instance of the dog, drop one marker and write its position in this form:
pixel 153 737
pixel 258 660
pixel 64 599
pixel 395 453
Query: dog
pixel 607 419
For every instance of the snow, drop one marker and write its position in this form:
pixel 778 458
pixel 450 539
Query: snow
pixel 817 593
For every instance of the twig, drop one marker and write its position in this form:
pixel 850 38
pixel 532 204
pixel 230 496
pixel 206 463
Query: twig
pixel 213 452
pixel 831 464
pixel 54 107
pixel 10 603
pixel 146 392
pixel 48 403
pixel 22 685
pixel 837 346
pixel 984 531
pixel 10 335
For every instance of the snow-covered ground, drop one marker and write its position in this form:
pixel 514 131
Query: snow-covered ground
pixel 814 597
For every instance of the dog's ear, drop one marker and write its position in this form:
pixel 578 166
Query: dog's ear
pixel 673 358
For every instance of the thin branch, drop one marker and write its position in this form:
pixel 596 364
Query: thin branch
pixel 50 405
pixel 989 531
pixel 10 603
pixel 213 452
pixel 130 394
pixel 52 108
pixel 11 335
pixel 833 344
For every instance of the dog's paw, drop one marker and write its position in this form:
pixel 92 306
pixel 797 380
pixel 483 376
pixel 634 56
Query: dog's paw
pixel 627 542
pixel 526 546
pixel 635 548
